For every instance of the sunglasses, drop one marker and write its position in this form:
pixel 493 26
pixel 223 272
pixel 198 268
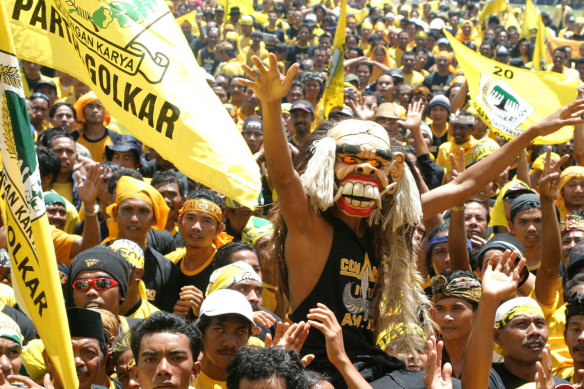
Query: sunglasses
pixel 84 284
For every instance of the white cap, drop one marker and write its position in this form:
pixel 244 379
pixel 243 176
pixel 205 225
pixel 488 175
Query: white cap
pixel 437 24
pixel 226 302
pixel 389 15
pixel 310 18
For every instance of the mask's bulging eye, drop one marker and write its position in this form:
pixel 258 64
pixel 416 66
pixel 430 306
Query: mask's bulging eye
pixel 350 160
pixel 374 163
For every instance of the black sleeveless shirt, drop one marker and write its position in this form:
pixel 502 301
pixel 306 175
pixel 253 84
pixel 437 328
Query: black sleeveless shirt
pixel 346 286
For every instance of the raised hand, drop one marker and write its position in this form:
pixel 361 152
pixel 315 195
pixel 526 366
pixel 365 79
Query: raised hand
pixel 437 377
pixel 457 163
pixel 549 182
pixel 414 116
pixel 323 319
pixel 263 319
pixel 268 84
pixel 502 275
pixel 88 189
pixel 544 377
pixel 568 115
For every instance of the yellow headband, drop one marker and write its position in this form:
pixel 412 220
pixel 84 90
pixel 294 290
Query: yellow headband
pixel 391 334
pixel 202 205
pixel 228 275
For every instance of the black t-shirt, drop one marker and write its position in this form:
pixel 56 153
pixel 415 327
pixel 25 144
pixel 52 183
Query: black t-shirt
pixel 501 378
pixel 405 379
pixel 351 264
pixel 438 84
pixel 432 173
pixel 208 61
pixel 161 280
pixel 296 53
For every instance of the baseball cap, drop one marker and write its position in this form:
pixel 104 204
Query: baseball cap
pixel 397 75
pixel 122 144
pixel 516 189
pixel 303 105
pixel 46 81
pixel 353 79
pixel 443 41
pixel 226 302
pixel 246 20
pixel 253 123
pixel 224 45
pixel 437 24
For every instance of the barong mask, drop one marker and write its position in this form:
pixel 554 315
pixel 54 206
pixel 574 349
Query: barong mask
pixel 355 167
pixel 363 165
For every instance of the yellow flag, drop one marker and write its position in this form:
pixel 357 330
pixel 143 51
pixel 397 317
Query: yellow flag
pixel 504 96
pixel 334 93
pixel 190 18
pixel 512 21
pixel 539 50
pixel 135 58
pixel 530 20
pixel 35 276
pixel 492 7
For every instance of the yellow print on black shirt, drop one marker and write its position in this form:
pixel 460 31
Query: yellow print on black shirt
pixel 358 296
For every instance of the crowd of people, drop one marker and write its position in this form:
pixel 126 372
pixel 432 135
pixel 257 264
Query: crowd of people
pixel 398 242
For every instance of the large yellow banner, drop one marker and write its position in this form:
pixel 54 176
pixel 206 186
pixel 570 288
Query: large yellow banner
pixel 35 277
pixel 504 95
pixel 136 59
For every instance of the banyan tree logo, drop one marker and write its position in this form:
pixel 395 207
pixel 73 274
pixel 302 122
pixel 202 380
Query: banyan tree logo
pixel 505 108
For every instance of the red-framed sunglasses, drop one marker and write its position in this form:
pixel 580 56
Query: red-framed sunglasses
pixel 84 284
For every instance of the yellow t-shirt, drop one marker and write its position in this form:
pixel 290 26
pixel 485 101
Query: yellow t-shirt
pixel 205 382
pixel 146 309
pixel 415 79
pixel 65 189
pixel 96 147
pixel 448 148
pixel 63 243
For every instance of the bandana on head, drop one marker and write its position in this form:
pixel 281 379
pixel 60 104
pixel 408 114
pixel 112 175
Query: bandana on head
pixel 571 223
pixel 83 101
pixel 567 175
pixel 518 306
pixel 498 217
pixel 9 329
pixel 226 276
pixel 131 188
pixel 539 162
pixel 53 198
pixel 134 255
pixel 391 334
pixel 466 288
pixel 202 205
pixel 255 229
pixel 513 308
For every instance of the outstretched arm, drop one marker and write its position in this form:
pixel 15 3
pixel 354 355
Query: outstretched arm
pixel 270 86
pixel 499 282
pixel 486 170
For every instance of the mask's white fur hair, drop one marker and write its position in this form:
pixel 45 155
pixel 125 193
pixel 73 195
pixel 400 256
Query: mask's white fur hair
pixel 399 297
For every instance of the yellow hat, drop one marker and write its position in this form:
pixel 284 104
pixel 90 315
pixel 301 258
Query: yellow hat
pixel 233 273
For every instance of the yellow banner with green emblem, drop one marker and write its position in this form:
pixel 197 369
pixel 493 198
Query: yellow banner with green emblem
pixel 35 277
pixel 504 95
pixel 134 56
